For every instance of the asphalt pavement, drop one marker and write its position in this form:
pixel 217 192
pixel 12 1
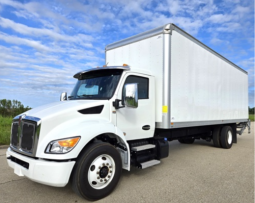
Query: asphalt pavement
pixel 197 172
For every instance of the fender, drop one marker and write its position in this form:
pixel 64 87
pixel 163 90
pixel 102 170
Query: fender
pixel 87 129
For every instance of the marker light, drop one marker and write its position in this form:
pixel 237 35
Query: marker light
pixel 69 142
pixel 62 146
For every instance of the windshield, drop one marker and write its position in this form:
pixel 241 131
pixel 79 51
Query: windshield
pixel 99 84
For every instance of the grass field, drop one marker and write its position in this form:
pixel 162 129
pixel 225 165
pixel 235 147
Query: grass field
pixel 251 117
pixel 5 130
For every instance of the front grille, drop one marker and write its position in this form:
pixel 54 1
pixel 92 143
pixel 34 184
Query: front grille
pixel 25 135
pixel 15 138
pixel 28 131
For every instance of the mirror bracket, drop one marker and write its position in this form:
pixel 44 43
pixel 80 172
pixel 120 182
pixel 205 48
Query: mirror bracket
pixel 116 104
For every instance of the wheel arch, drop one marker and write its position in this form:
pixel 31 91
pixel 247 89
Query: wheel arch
pixel 109 137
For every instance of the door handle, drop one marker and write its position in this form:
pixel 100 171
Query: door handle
pixel 146 127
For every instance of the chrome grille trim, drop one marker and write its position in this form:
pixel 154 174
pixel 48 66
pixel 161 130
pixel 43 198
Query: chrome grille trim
pixel 21 121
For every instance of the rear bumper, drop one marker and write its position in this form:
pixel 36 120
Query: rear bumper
pixel 46 172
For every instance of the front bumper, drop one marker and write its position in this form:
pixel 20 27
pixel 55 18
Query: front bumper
pixel 51 173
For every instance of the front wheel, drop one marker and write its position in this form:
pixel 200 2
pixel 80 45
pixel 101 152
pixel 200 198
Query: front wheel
pixel 97 171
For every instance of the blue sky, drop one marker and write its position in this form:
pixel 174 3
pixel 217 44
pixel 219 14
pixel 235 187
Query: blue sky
pixel 44 43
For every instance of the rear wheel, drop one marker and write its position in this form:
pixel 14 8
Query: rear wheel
pixel 97 171
pixel 226 137
pixel 181 140
pixel 216 137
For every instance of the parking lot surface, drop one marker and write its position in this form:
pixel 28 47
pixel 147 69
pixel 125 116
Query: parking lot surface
pixel 197 172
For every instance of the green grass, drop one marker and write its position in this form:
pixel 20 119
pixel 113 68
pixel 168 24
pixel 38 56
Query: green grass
pixel 251 117
pixel 5 130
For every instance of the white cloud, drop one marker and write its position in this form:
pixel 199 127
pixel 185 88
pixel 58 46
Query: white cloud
pixel 229 27
pixel 216 41
pixel 219 18
pixel 76 6
pixel 248 63
pixel 174 7
pixel 41 11
pixel 14 4
pixel 22 41
pixel 189 25
pixel 241 10
pixel 37 32
pixel 231 1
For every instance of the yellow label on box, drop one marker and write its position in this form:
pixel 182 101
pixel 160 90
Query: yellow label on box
pixel 164 109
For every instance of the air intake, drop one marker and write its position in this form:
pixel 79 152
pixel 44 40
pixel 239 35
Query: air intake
pixel 92 110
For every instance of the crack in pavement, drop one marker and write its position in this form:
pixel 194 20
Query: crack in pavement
pixel 12 181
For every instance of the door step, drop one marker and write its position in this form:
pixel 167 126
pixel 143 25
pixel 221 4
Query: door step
pixel 143 147
pixel 150 163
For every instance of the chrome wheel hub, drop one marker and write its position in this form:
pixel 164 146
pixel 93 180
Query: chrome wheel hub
pixel 101 171
pixel 229 137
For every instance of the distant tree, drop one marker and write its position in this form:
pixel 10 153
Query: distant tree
pixel 12 108
pixel 251 110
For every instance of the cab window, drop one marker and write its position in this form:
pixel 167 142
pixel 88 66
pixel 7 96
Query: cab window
pixel 142 83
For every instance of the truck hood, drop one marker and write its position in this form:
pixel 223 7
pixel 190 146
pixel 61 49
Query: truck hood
pixel 63 119
pixel 63 108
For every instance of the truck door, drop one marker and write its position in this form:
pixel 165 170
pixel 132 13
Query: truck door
pixel 138 123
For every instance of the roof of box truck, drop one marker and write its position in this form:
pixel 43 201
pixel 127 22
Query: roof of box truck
pixel 167 29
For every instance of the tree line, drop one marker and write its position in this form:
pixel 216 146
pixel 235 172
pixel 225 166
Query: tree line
pixel 12 108
pixel 251 110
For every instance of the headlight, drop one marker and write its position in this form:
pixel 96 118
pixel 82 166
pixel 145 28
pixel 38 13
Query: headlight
pixel 62 146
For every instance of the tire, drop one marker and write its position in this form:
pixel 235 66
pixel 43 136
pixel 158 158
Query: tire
pixel 97 171
pixel 216 137
pixel 181 140
pixel 226 137
pixel 188 140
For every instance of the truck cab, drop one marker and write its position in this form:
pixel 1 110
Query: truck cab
pixel 109 83
pixel 108 107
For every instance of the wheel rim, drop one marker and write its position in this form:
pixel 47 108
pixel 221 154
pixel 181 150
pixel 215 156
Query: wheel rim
pixel 229 137
pixel 101 171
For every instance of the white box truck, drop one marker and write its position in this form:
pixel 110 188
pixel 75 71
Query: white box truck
pixel 157 86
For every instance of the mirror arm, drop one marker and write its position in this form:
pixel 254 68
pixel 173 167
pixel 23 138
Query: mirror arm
pixel 116 104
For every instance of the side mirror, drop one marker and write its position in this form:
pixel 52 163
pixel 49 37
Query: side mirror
pixel 63 96
pixel 131 95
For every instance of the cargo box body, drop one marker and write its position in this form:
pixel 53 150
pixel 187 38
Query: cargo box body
pixel 195 86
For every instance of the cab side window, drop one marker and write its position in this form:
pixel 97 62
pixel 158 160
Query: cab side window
pixel 142 83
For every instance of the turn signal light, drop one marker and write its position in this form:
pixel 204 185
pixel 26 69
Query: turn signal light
pixel 69 142
pixel 62 146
